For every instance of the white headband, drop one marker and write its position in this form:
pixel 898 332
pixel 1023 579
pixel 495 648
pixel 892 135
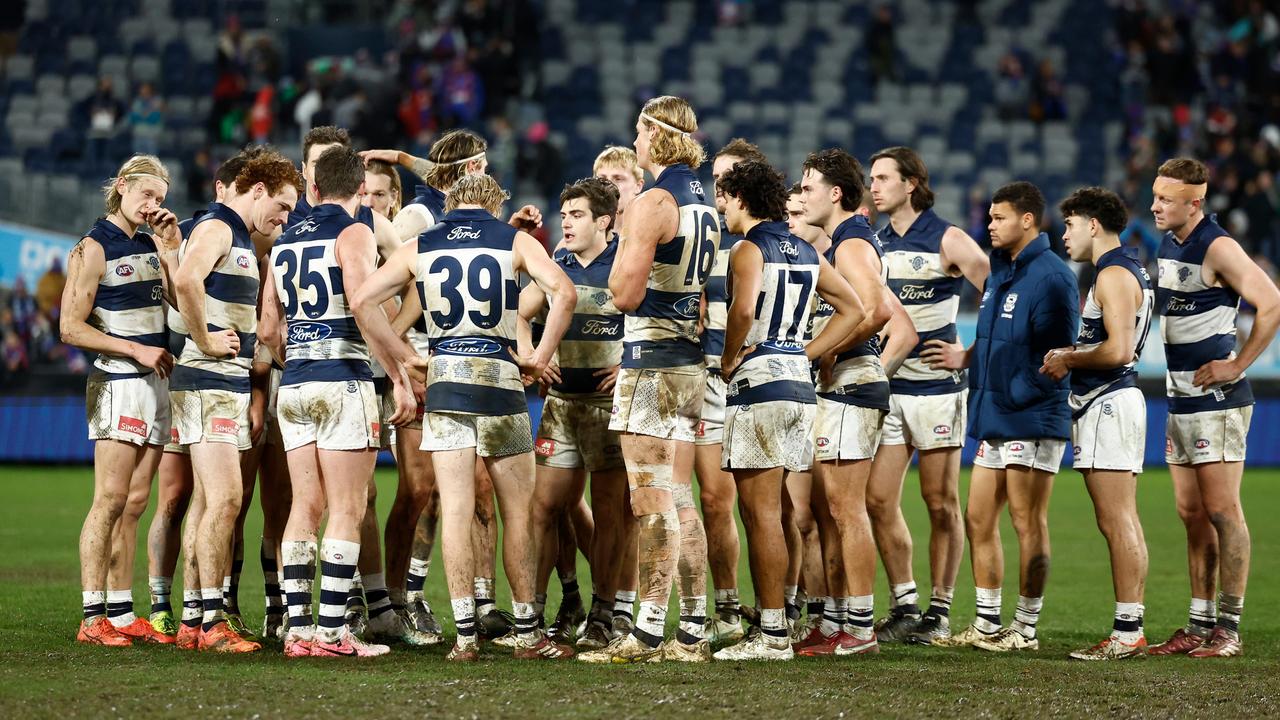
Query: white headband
pixel 463 161
pixel 131 176
pixel 659 123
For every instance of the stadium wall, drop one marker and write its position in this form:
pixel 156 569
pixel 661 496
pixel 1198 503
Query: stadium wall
pixel 39 429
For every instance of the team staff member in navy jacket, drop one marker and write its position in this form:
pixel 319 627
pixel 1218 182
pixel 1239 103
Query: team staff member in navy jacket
pixel 1030 306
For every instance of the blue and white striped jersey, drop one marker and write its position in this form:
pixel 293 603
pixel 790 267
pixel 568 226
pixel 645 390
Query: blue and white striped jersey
pixel 1198 323
pixel 663 331
pixel 871 387
pixel 1089 384
pixel 323 341
pixel 931 298
pixel 777 369
pixel 231 303
pixel 130 301
pixel 470 298
pixel 716 296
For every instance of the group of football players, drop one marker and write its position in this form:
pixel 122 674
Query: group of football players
pixel 762 338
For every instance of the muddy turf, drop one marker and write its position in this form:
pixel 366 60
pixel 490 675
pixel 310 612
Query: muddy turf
pixel 44 673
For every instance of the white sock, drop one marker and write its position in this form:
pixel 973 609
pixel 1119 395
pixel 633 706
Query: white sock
pixel 160 587
pixel 861 616
pixel 1204 616
pixel 464 619
pixel 120 607
pixel 652 621
pixel 693 618
pixel 192 608
pixel 904 594
pixel 484 595
pixel 526 621
pixel 832 619
pixel 95 603
pixel 773 625
pixel 1127 626
pixel 338 566
pixel 211 598
pixel 1027 615
pixel 624 603
pixel 988 605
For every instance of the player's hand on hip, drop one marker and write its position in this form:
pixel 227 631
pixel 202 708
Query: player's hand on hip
pixel 1216 372
pixel 157 359
pixel 942 355
pixel 608 378
pixel 417 370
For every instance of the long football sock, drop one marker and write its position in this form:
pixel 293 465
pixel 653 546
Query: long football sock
pixel 1127 626
pixel 861 620
pixel 120 607
pixel 464 619
pixel 1027 615
pixel 906 599
pixel 988 604
pixel 417 578
pixel 1203 617
pixel 484 596
pixel 624 603
pixel 651 622
pixel 693 620
pixel 271 578
pixel 214 612
pixel 728 606
pixel 526 621
pixel 940 601
pixel 773 625
pixel 1230 608
pixel 160 587
pixel 192 608
pixel 95 603
pixel 338 560
pixel 299 577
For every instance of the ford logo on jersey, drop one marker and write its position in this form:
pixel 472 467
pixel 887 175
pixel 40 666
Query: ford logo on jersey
pixel 464 232
pixel 468 346
pixel 783 346
pixel 688 307
pixel 305 332
pixel 788 247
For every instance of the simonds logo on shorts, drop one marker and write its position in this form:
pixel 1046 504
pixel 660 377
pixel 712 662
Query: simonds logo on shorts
pixel 375 429
pixel 544 447
pixel 173 436
pixel 1168 444
pixel 224 425
pixel 702 429
pixel 132 425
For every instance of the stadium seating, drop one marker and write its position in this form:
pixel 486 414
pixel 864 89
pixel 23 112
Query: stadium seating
pixel 789 81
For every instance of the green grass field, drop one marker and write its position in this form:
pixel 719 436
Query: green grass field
pixel 44 673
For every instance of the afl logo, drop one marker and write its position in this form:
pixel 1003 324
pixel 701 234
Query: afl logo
pixel 468 346
pixel 823 442
pixel 124 270
pixel 1016 447
pixel 687 308
pixel 941 429
pixel 243 261
pixel 305 332
pixel 1201 444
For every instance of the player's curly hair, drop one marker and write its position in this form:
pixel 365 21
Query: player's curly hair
pixel 228 170
pixel 271 169
pixel 482 190
pixel 672 147
pixel 601 195
pixel 761 189
pixel 841 170
pixel 1100 204
pixel 448 153
pixel 131 171
pixel 621 157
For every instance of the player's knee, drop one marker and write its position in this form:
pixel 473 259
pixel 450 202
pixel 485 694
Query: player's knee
pixel 978 524
pixel 111 503
pixel 651 501
pixel 881 509
pixel 716 502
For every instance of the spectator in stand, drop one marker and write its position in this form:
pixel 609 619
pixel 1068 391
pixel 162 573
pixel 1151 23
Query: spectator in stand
pixel 146 116
pixel 1013 93
pixel 1048 101
pixel 22 310
pixel 102 113
pixel 463 94
pixel 882 46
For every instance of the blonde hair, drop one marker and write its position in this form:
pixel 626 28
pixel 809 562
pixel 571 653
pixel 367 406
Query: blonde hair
pixel 618 156
pixel 134 169
pixel 449 153
pixel 377 167
pixel 674 143
pixel 480 190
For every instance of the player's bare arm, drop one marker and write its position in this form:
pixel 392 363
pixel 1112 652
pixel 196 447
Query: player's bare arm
pixel 962 256
pixel 167 237
pixel 1227 262
pixel 1117 291
pixel 530 257
pixel 271 323
pixel 85 267
pixel 859 264
pixel 746 268
pixel 208 245
pixel 389 349
pixel 653 216
pixel 847 311
pixel 416 165
pixel 900 336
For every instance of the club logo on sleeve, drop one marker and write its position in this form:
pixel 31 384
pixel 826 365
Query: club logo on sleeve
pixel 124 269
pixel 544 447
pixel 1202 443
pixel 224 426
pixel 132 425
pixel 941 429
